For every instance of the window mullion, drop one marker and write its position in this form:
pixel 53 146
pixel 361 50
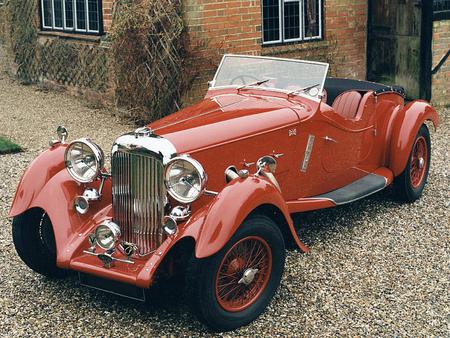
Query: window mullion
pixel 75 17
pixel 302 19
pixel 320 19
pixel 87 15
pixel 74 14
pixel 43 13
pixel 64 14
pixel 53 13
pixel 281 20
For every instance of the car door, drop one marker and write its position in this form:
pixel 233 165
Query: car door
pixel 333 147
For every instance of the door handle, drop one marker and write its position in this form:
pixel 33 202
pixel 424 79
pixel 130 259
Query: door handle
pixel 329 139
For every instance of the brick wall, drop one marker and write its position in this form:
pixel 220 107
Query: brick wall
pixel 216 27
pixel 441 80
pixel 107 14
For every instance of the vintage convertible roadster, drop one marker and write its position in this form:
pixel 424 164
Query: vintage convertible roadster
pixel 209 191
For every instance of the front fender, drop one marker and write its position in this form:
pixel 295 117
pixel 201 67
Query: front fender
pixel 47 185
pixel 38 173
pixel 230 208
pixel 406 126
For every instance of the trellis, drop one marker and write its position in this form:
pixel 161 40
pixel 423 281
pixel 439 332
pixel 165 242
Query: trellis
pixel 143 57
pixel 78 65
pixel 56 60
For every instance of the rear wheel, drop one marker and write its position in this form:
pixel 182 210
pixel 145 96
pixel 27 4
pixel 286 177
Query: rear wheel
pixel 233 287
pixel 34 241
pixel 412 180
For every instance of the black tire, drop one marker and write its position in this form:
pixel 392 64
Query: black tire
pixel 34 241
pixel 202 277
pixel 403 184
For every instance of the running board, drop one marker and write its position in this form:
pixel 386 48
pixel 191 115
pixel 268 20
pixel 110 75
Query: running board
pixel 361 188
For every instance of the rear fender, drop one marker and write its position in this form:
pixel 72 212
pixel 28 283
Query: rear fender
pixel 230 208
pixel 405 127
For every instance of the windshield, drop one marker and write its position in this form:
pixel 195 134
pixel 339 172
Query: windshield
pixel 291 76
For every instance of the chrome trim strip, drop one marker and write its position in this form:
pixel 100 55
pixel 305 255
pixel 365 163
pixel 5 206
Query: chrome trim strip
pixel 113 259
pixel 308 151
pixel 210 193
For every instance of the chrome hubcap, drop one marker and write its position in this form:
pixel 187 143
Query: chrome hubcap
pixel 421 162
pixel 248 277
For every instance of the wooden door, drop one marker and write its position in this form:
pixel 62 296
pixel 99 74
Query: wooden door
pixel 399 45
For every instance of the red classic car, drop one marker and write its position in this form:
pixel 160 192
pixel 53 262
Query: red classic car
pixel 209 190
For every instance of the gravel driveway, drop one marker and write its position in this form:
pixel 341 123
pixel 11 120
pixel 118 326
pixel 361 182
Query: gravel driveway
pixel 376 267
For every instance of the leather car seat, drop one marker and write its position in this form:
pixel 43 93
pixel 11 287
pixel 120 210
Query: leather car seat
pixel 347 103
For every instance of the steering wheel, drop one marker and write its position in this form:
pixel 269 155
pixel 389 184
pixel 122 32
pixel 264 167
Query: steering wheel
pixel 242 79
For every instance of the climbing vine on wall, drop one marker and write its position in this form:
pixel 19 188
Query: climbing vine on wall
pixel 149 56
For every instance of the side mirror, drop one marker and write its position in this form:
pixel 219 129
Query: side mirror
pixel 266 163
pixel 266 166
pixel 62 133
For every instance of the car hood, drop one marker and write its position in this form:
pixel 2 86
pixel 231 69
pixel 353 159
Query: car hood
pixel 224 118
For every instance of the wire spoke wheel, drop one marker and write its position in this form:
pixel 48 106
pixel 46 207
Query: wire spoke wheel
pixel 411 182
pixel 232 288
pixel 243 274
pixel 419 158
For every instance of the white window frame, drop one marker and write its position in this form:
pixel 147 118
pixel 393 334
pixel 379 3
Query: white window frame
pixel 74 27
pixel 281 26
pixel 65 19
pixel 300 26
pixel 306 38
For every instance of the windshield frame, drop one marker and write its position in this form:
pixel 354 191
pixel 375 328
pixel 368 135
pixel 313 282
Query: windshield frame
pixel 316 98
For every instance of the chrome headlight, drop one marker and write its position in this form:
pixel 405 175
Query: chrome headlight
pixel 107 234
pixel 185 179
pixel 84 160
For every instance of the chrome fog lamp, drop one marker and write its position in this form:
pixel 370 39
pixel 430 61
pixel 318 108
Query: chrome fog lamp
pixel 170 225
pixel 180 213
pixel 84 160
pixel 185 179
pixel 107 234
pixel 81 203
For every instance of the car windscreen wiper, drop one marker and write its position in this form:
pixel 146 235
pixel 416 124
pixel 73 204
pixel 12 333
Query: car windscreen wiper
pixel 301 90
pixel 257 83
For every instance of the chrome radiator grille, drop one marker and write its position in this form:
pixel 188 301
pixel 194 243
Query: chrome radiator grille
pixel 138 195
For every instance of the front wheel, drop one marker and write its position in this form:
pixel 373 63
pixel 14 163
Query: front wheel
pixel 34 241
pixel 233 287
pixel 411 182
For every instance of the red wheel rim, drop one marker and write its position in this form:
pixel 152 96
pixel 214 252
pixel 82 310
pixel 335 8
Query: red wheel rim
pixel 419 162
pixel 243 274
